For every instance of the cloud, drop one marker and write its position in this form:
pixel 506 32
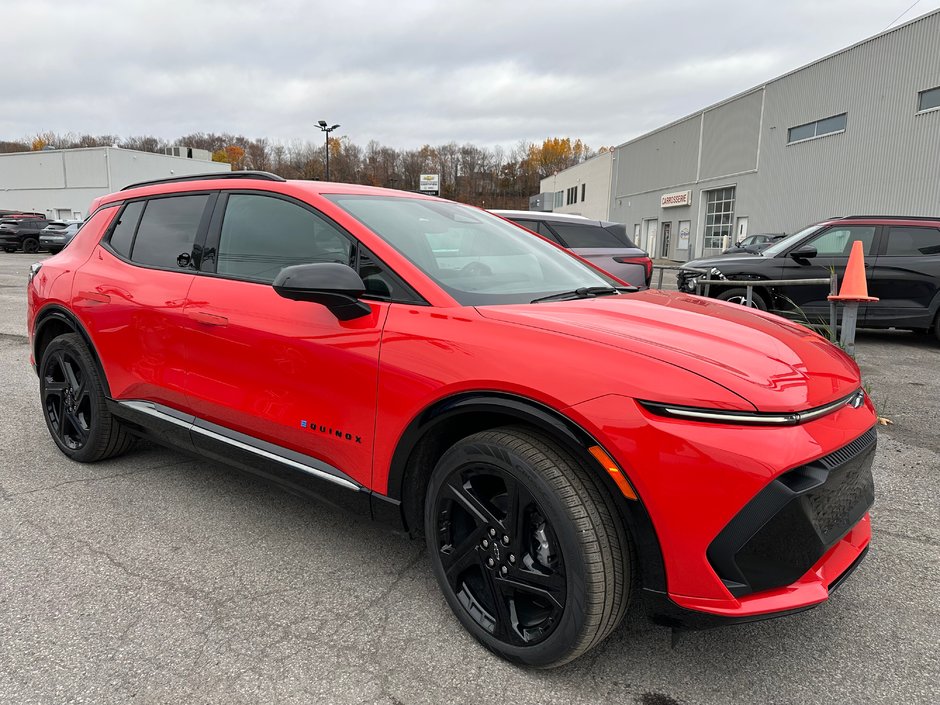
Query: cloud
pixel 405 74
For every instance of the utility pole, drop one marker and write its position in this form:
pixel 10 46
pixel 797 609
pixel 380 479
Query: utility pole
pixel 326 131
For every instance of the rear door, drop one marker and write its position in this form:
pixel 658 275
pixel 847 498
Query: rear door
pixel 832 254
pixel 906 277
pixel 283 377
pixel 131 293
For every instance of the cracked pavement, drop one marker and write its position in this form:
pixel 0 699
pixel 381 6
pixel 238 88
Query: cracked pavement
pixel 160 578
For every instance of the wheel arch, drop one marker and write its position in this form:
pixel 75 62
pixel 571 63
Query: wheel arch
pixel 54 320
pixel 448 420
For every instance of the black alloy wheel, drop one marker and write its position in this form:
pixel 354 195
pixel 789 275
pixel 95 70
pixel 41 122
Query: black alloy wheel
pixel 74 404
pixel 526 547
pixel 30 245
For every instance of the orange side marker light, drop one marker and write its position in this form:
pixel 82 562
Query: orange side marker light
pixel 611 467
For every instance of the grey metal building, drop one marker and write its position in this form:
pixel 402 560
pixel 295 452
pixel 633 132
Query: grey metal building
pixel 63 182
pixel 857 132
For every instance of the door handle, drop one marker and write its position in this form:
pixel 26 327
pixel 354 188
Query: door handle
pixel 95 297
pixel 208 319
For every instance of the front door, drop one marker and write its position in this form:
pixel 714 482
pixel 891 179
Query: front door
pixel 667 232
pixel 282 376
pixel 832 254
pixel 741 231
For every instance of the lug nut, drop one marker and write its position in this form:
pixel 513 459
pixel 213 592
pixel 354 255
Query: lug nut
pixel 504 570
pixel 486 543
pixel 490 562
pixel 505 540
pixel 512 558
pixel 492 531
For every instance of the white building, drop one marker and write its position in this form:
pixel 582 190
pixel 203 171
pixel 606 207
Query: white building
pixel 583 189
pixel 63 182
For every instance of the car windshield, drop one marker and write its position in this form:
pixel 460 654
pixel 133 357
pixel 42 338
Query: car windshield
pixel 476 257
pixel 785 244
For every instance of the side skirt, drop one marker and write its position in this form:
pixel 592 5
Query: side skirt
pixel 296 472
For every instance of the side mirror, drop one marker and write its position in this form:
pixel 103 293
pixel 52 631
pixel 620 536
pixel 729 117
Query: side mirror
pixel 803 252
pixel 334 285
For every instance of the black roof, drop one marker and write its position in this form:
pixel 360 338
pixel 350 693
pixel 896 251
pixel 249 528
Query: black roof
pixel 257 175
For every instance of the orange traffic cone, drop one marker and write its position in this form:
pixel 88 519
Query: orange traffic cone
pixel 854 286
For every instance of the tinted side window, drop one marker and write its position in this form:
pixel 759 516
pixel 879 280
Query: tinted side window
pixel 545 231
pixel 583 235
pixel 527 224
pixel 168 229
pixel 123 234
pixel 837 241
pixel 262 235
pixel 913 242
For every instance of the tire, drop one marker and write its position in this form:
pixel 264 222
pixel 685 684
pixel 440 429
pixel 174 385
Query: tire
pixel 936 327
pixel 739 296
pixel 74 406
pixel 527 547
pixel 30 245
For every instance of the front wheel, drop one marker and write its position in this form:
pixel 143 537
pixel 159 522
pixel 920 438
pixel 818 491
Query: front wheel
pixel 74 404
pixel 527 547
pixel 739 296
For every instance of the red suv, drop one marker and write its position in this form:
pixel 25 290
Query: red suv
pixel 563 442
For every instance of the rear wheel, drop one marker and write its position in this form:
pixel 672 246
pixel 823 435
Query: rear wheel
pixel 739 296
pixel 73 403
pixel 527 547
pixel 30 244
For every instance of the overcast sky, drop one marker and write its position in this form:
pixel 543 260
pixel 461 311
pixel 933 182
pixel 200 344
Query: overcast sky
pixel 406 73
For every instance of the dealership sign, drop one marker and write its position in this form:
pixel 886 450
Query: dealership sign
pixel 430 183
pixel 679 198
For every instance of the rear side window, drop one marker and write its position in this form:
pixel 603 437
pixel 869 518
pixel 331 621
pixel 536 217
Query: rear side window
pixel 167 230
pixel 262 235
pixel 123 234
pixel 578 235
pixel 913 242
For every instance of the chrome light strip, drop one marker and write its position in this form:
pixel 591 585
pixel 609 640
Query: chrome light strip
pixel 855 399
pixel 188 422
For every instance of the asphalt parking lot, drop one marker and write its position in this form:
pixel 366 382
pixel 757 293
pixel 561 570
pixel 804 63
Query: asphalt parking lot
pixel 158 578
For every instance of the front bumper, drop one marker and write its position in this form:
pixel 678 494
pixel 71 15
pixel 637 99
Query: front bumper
pixel 751 521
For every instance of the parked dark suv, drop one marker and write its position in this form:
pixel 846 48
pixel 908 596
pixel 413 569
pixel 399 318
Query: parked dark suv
pixel 902 263
pixel 16 233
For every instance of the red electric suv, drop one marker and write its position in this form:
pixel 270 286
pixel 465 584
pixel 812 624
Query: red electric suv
pixel 563 442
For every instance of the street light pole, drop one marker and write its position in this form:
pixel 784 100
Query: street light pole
pixel 326 131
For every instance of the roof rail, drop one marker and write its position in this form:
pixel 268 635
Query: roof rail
pixel 259 175
pixel 888 217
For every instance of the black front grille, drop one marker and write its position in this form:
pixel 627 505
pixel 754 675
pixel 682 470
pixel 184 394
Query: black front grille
pixel 793 521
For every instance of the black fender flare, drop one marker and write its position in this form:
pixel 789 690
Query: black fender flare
pixel 551 423
pixel 57 312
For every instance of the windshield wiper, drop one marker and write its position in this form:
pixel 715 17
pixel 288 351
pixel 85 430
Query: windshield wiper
pixel 585 292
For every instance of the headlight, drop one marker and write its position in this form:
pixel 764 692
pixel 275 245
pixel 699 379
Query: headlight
pixel 33 271
pixel 752 418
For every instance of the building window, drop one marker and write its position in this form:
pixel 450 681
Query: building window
pixel 827 126
pixel 928 100
pixel 559 199
pixel 572 195
pixel 719 216
pixel 583 187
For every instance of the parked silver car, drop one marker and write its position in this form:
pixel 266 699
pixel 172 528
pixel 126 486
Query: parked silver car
pixel 604 244
pixel 57 234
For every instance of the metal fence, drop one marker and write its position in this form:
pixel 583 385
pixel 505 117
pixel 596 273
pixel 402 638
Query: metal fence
pixel 704 284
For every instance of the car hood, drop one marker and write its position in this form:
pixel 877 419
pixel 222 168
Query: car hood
pixel 772 363
pixel 723 260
